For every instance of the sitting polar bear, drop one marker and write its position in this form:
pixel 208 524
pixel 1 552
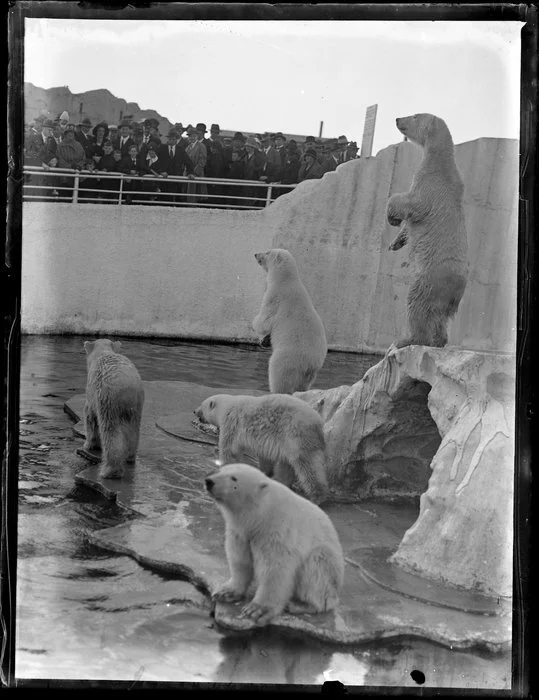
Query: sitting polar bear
pixel 113 408
pixel 289 322
pixel 284 433
pixel 283 552
pixel 431 215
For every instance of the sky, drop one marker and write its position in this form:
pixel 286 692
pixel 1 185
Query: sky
pixel 256 76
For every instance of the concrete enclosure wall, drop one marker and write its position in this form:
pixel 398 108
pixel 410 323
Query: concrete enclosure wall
pixel 92 268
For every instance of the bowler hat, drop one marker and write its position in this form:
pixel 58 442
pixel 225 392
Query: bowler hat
pixel 214 129
pixel 238 136
pixel 352 145
pixel 310 152
pixel 172 134
pixel 201 127
pixel 179 127
pixel 265 137
pixel 310 139
pixel 86 122
pixel 251 142
pixel 151 122
pixel 342 140
pixel 102 125
pixel 279 135
pixel 125 122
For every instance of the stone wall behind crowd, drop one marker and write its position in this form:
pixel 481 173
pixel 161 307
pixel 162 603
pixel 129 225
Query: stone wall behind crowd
pixel 190 273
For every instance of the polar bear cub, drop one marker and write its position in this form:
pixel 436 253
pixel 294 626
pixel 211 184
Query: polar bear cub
pixel 113 408
pixel 283 552
pixel 283 432
pixel 289 322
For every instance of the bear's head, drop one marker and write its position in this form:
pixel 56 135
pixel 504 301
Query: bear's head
pixel 276 259
pixel 208 411
pixel 103 345
pixel 238 487
pixel 425 130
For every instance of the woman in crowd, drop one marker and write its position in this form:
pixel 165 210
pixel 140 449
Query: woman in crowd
pixel 310 168
pixel 95 150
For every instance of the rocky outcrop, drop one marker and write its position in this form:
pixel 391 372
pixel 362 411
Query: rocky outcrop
pixel 97 105
pixel 436 422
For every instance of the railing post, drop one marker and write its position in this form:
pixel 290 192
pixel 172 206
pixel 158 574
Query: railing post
pixel 121 188
pixel 76 189
pixel 268 196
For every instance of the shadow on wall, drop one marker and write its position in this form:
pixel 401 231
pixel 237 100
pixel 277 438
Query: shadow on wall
pixel 192 273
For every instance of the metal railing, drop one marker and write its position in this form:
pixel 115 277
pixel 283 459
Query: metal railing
pixel 77 186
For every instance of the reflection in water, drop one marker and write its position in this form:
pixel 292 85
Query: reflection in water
pixel 85 614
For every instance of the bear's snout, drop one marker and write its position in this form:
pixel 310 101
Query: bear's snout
pixel 210 483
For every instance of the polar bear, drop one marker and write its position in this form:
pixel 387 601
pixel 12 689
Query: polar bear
pixel 431 216
pixel 284 433
pixel 113 408
pixel 283 552
pixel 295 330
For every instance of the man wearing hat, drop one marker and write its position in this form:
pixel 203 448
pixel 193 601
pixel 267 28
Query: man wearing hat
pixel 351 152
pixel 84 137
pixel 333 159
pixel 124 140
pixel 41 146
pixel 253 170
pixel 215 134
pixel 201 131
pixel 142 139
pixel 310 168
pixel 173 160
pixel 343 143
pixel 272 166
pixel 280 141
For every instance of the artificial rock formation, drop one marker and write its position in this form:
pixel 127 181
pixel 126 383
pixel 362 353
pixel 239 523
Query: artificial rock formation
pixel 437 422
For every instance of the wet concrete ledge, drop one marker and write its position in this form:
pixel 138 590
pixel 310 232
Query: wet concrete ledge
pixel 180 531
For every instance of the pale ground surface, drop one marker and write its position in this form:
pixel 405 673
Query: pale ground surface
pixel 93 612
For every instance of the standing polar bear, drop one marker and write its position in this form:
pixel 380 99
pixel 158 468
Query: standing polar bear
pixel 284 433
pixel 113 408
pixel 288 317
pixel 432 217
pixel 283 552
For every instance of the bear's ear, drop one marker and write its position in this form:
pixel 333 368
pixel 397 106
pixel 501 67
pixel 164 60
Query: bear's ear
pixel 116 345
pixel 211 405
pixel 88 346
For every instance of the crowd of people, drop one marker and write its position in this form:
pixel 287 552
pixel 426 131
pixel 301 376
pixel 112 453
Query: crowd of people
pixel 138 149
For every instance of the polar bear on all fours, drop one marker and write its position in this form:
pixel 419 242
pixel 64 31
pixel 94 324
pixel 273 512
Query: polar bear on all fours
pixel 283 551
pixel 283 432
pixel 113 408
pixel 289 322
pixel 431 216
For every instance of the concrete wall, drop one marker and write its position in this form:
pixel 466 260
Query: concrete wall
pixel 91 268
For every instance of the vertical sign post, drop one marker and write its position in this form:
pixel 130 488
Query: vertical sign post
pixel 368 130
pixel 320 132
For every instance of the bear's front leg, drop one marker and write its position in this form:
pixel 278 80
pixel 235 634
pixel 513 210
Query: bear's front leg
pixel 93 440
pixel 240 563
pixel 263 321
pixel 402 238
pixel 398 209
pixel 276 571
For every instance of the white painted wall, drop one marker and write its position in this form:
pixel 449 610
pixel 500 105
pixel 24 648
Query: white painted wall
pixel 142 270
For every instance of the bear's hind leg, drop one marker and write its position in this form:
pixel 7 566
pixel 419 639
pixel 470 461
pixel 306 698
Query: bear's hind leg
pixel 287 375
pixel 318 583
pixel 93 441
pixel 422 318
pixel 310 472
pixel 114 451
pixel 132 436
